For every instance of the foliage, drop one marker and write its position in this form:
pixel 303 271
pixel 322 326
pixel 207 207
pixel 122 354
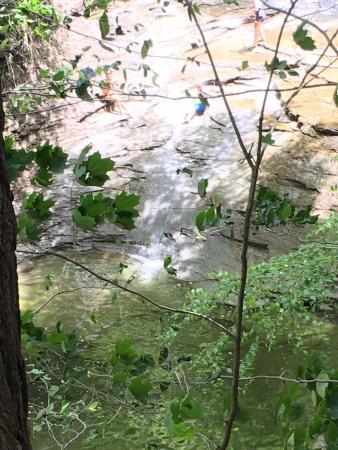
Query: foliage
pixel 92 171
pixel 16 160
pixel 145 48
pixel 279 297
pixel 202 188
pixel 270 209
pixel 49 159
pixel 92 210
pixel 18 17
pixel 302 38
pixel 209 218
pixel 321 422
pixel 34 210
pixel 281 67
pixel 168 267
pixel 181 415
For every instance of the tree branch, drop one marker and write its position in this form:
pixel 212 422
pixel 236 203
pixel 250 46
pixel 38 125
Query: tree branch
pixel 131 291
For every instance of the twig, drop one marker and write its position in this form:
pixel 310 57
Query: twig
pixel 45 303
pixel 282 378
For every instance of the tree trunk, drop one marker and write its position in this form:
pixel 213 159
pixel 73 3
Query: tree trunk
pixel 14 434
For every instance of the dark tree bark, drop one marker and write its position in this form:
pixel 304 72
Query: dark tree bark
pixel 14 434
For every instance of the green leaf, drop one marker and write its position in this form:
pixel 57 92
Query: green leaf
pixel 102 4
pixel 285 211
pixel 125 210
pixel 59 75
pixel 167 261
pixel 179 430
pixel 267 139
pixel 28 230
pixel 166 264
pixel 93 207
pixel 321 387
pixel 200 220
pixel 335 96
pixel 104 25
pixel 332 434
pixel 183 431
pixel 244 65
pixel 120 378
pixel 126 350
pixel 92 171
pixel 140 389
pixel 185 170
pixel 81 89
pixel 332 403
pixel 196 8
pixel 299 439
pixel 185 409
pixel 50 158
pixel 83 221
pixel 26 317
pixel 301 38
pixel 56 337
pixel 202 188
pixel 304 216
pixel 36 207
pixel 145 48
pixel 43 177
pixel 16 160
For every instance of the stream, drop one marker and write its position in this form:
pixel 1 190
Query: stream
pixel 127 318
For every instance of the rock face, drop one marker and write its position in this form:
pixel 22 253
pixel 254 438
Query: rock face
pixel 152 141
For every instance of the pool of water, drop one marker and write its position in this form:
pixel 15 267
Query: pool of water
pixel 85 304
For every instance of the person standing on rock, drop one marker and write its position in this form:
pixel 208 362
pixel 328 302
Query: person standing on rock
pixel 259 19
pixel 107 85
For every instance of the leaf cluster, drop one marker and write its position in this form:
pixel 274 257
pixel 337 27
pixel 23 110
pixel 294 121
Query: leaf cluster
pixel 322 424
pixel 93 210
pixel 272 210
pixel 34 210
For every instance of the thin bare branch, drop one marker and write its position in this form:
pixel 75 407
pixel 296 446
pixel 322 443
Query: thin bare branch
pixel 282 378
pixel 272 71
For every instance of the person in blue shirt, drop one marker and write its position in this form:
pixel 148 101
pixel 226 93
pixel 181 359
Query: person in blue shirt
pixel 202 104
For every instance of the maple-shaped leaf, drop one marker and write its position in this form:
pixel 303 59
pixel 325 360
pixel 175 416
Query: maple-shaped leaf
pixel 301 38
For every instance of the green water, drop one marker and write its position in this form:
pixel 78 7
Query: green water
pixel 101 321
